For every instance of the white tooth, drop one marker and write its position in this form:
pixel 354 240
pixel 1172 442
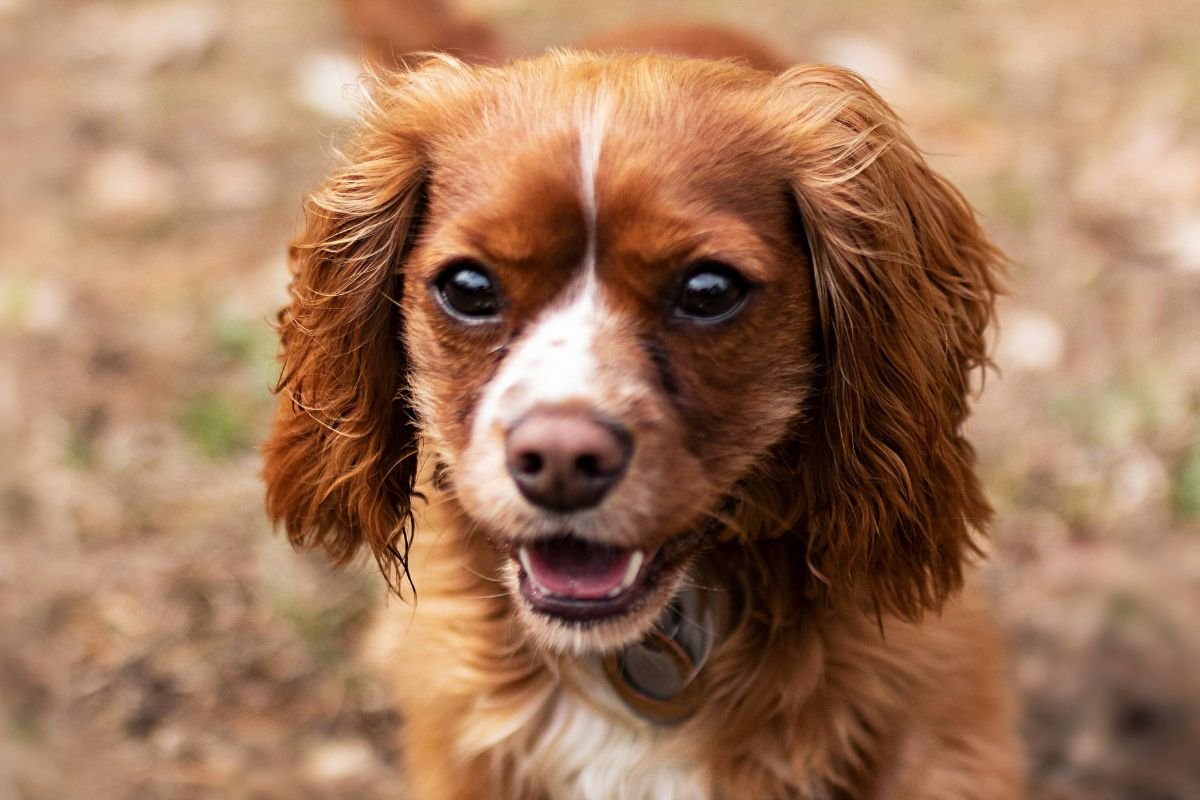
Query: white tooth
pixel 523 557
pixel 631 573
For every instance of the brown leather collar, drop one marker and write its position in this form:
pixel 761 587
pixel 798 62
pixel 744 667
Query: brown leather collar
pixel 660 678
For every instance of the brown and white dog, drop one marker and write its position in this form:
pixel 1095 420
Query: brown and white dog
pixel 675 354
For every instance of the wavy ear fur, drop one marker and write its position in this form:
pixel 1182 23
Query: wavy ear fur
pixel 340 463
pixel 906 283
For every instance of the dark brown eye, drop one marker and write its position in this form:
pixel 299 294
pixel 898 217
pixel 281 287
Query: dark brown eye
pixel 711 291
pixel 468 291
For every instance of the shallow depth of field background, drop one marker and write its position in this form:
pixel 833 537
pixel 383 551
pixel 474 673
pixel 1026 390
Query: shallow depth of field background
pixel 156 641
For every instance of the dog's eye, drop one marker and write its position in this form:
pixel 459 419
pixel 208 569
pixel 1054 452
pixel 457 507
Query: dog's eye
pixel 711 291
pixel 467 290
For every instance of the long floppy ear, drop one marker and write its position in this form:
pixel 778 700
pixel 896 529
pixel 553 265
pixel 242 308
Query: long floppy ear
pixel 340 463
pixel 906 283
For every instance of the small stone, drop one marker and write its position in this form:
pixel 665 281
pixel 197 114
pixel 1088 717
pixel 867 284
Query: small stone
pixel 882 66
pixel 1181 245
pixel 333 762
pixel 1029 341
pixel 328 84
pixel 1137 479
pixel 40 306
pixel 125 185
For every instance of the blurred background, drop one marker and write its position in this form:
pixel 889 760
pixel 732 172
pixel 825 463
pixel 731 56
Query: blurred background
pixel 156 641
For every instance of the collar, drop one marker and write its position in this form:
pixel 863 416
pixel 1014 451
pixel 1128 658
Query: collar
pixel 659 676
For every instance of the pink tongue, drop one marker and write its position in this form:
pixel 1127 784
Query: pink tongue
pixel 571 567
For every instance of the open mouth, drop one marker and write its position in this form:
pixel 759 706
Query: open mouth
pixel 579 580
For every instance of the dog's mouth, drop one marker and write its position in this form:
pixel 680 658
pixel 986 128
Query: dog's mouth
pixel 583 581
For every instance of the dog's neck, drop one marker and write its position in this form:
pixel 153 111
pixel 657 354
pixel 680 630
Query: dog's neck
pixel 659 677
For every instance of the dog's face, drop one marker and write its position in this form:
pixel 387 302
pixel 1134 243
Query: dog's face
pixel 610 320
pixel 604 292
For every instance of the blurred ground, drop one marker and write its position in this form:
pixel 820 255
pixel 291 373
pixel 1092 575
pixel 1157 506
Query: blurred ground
pixel 157 642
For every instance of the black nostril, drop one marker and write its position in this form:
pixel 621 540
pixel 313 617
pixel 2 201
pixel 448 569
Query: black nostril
pixel 588 465
pixel 530 463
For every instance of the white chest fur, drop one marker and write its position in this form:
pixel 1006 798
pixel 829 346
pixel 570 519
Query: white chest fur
pixel 577 751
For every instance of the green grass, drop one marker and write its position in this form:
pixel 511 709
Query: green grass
pixel 1131 405
pixel 1016 202
pixel 250 345
pixel 225 423
pixel 24 726
pixel 216 425
pixel 324 627
pixel 15 295
pixel 242 341
pixel 1185 493
pixel 80 452
pixel 1109 415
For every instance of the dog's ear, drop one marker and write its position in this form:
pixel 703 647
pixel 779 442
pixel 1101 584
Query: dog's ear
pixel 906 283
pixel 340 463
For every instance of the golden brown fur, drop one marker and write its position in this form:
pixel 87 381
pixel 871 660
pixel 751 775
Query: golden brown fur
pixel 802 697
pixel 829 419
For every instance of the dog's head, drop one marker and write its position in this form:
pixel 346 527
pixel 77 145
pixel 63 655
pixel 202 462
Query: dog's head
pixel 623 301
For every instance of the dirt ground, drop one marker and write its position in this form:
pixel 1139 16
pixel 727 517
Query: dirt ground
pixel 156 641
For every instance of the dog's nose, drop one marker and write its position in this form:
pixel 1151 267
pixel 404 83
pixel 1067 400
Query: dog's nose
pixel 566 461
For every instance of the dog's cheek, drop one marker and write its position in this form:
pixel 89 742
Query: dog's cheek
pixel 741 390
pixel 447 376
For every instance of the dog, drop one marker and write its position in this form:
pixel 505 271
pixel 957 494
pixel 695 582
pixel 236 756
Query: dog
pixel 648 374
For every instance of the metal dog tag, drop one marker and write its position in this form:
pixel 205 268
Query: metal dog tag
pixel 657 677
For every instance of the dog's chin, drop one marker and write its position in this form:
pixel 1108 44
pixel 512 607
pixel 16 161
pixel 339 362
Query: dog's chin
pixel 580 597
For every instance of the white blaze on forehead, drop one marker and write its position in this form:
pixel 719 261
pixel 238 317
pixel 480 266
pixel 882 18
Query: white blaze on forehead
pixel 591 137
pixel 556 363
pixel 553 365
